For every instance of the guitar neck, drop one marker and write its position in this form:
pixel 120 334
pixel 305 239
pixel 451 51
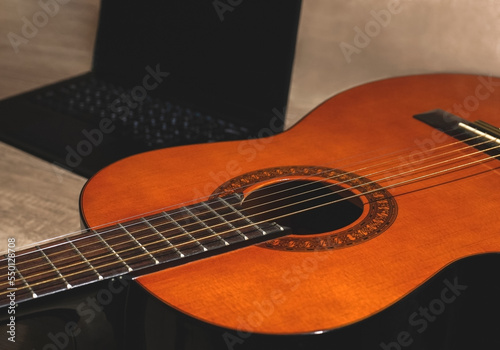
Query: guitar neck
pixel 142 244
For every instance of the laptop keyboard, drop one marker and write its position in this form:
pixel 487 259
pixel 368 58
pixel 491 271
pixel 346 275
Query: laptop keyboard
pixel 153 122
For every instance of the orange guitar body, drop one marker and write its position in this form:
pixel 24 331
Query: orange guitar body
pixel 437 220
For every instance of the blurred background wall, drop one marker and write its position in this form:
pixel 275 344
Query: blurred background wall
pixel 418 36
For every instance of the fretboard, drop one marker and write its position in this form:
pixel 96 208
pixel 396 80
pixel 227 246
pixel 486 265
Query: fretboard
pixel 136 246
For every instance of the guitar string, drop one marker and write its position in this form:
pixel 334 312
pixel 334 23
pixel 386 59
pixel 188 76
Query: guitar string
pixel 153 212
pixel 220 224
pixel 410 180
pixel 164 209
pixel 284 215
pixel 323 204
pixel 138 242
pixel 294 188
pixel 138 216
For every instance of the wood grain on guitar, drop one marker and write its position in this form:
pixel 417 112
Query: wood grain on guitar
pixel 381 203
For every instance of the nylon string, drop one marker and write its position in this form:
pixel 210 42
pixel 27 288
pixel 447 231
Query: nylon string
pixel 253 207
pixel 287 214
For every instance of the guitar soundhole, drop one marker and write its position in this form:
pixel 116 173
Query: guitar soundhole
pixel 338 221
pixel 307 207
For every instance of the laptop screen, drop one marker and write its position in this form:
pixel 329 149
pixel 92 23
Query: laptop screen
pixel 232 57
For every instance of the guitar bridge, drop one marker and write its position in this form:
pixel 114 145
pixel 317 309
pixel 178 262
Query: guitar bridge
pixel 464 130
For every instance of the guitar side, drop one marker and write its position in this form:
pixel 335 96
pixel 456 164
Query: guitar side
pixel 258 290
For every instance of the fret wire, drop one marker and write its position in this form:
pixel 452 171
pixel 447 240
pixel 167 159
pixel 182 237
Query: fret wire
pixel 163 237
pixel 108 264
pixel 34 295
pixel 85 260
pixel 68 286
pixel 113 252
pixel 181 244
pixel 224 220
pixel 139 244
pixel 116 254
pixel 241 215
pixel 217 235
pixel 186 233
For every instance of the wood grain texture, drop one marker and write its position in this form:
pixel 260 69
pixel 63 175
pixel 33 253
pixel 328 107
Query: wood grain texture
pixel 253 289
pixel 39 200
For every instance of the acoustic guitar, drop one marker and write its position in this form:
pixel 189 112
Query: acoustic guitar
pixel 371 224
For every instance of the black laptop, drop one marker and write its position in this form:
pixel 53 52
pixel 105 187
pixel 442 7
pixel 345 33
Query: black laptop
pixel 165 73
